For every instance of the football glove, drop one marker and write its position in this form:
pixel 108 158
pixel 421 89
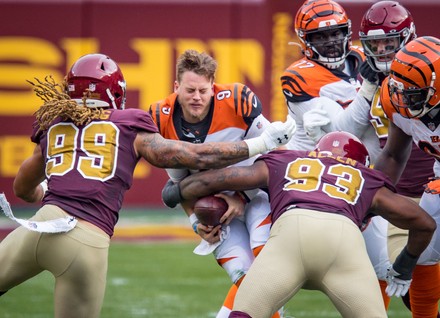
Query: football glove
pixel 370 83
pixel 314 120
pixel 275 135
pixel 433 186
pixel 367 73
pixel 400 273
pixel 171 195
pixel 396 286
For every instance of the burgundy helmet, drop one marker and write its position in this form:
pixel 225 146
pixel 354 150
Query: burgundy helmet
pixel 102 77
pixel 393 25
pixel 344 144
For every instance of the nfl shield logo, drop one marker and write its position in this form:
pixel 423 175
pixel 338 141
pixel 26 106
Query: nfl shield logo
pixel 92 87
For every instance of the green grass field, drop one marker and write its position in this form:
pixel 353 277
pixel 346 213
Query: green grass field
pixel 160 280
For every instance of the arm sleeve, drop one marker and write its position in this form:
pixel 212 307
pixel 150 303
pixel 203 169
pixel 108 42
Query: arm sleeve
pixel 257 127
pixel 355 118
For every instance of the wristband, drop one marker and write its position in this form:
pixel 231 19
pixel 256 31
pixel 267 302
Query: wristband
pixel 194 222
pixel 404 264
pixel 368 90
pixel 43 185
pixel 256 146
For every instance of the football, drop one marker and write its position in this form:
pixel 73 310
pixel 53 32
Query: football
pixel 210 209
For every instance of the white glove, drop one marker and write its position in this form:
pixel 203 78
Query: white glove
pixel 275 135
pixel 396 286
pixel 313 121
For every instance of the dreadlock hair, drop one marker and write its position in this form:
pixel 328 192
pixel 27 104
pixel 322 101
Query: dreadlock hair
pixel 58 104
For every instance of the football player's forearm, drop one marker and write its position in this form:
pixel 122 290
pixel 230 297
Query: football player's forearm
pixel 196 186
pixel 420 233
pixel 213 181
pixel 219 155
pixel 388 165
pixel 166 153
pixel 355 118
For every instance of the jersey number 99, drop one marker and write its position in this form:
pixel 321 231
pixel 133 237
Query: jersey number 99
pixel 92 150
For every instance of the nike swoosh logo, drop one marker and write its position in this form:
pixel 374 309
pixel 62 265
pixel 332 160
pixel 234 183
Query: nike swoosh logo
pixel 288 93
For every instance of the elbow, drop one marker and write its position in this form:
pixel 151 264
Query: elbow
pixel 23 193
pixel 24 196
pixel 429 228
pixel 432 226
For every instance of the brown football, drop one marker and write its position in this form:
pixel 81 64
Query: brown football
pixel 210 209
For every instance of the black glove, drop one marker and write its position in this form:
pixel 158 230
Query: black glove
pixel 405 264
pixel 171 195
pixel 368 73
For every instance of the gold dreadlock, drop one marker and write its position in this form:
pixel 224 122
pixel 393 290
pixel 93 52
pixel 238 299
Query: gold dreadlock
pixel 58 104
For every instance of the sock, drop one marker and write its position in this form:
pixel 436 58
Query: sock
pixel 228 303
pixel 223 312
pixel 229 300
pixel 425 291
pixel 385 297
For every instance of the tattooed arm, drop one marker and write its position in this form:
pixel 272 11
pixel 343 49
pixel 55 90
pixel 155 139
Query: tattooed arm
pixel 232 178
pixel 165 153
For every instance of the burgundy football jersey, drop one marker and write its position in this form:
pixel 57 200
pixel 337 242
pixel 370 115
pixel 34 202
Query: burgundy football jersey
pixel 417 172
pixel 90 167
pixel 312 180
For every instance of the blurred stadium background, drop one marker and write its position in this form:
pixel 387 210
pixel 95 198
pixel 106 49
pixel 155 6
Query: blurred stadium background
pixel 249 39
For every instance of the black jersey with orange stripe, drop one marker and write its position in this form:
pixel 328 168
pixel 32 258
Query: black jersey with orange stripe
pixel 304 79
pixel 233 110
